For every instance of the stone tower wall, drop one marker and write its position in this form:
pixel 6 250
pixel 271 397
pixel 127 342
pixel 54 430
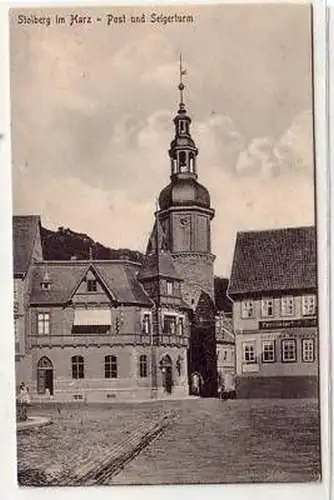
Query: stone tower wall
pixel 197 272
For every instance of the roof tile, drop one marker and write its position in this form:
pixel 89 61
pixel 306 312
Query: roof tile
pixel 274 260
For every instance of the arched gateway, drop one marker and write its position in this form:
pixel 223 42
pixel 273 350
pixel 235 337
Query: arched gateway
pixel 44 376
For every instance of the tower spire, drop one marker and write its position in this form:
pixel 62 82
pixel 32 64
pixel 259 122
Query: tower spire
pixel 181 84
pixel 183 151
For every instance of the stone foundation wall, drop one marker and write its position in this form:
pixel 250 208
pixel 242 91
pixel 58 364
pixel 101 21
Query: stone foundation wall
pixel 278 387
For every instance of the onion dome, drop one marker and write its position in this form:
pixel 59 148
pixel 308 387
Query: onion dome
pixel 182 192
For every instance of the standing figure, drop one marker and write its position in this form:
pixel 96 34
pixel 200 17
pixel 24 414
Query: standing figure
pixel 24 396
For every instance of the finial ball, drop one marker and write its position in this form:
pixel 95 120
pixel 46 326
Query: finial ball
pixel 181 86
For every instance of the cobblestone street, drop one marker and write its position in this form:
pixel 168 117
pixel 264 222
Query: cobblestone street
pixel 233 441
pixel 207 441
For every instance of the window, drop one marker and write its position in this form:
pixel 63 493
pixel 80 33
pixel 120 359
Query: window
pixel 267 308
pixel 308 350
pixel 179 366
pixel 169 288
pixel 268 351
pixel 182 126
pixel 249 353
pixel 309 305
pixel 289 351
pixel 181 326
pixel 110 367
pixel 247 309
pixel 146 324
pixel 287 306
pixel 77 367
pixel 169 324
pixel 182 159
pixel 91 285
pixel 143 366
pixel 225 355
pixel 43 323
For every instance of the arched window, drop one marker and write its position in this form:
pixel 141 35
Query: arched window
pixel 44 376
pixel 183 161
pixel 78 370
pixel 110 367
pixel 182 126
pixel 143 366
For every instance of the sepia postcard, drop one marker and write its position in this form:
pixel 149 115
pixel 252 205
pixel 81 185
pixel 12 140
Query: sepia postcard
pixel 165 271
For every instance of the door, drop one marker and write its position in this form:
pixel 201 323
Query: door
pixel 49 380
pixel 167 373
pixel 44 376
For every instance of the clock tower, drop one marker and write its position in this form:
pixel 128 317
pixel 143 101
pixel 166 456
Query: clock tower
pixel 185 211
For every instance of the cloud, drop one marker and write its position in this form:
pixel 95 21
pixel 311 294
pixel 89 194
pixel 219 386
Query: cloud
pixel 115 201
pixel 292 152
pixel 94 154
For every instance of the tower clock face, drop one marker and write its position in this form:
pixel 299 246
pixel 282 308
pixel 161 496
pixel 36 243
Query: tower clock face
pixel 185 221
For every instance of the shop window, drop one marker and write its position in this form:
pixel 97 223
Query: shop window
pixel 268 351
pixel 308 350
pixel 289 351
pixel 249 354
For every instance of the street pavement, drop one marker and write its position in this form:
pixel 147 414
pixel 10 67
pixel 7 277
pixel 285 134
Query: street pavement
pixel 212 441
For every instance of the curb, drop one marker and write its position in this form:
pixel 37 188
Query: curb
pixel 33 423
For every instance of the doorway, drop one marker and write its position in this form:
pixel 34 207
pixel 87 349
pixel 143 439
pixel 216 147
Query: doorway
pixel 166 367
pixel 45 376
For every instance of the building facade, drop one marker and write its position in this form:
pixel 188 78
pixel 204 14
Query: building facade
pixel 99 330
pixel 273 286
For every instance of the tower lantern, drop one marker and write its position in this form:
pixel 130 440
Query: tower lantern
pixel 183 151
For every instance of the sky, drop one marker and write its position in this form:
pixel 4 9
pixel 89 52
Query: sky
pixel 92 108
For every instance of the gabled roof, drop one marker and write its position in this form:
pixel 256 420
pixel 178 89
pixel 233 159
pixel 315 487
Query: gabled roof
pixel 274 260
pixel 97 276
pixel 118 276
pixel 25 228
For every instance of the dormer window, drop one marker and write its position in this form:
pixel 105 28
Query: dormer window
pixel 91 285
pixel 46 281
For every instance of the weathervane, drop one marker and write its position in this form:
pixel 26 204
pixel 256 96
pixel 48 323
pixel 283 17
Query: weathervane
pixel 181 84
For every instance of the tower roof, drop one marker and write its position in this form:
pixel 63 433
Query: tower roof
pixel 184 192
pixel 158 262
pixel 25 231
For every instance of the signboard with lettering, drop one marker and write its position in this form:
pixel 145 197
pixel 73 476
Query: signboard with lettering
pixel 286 323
